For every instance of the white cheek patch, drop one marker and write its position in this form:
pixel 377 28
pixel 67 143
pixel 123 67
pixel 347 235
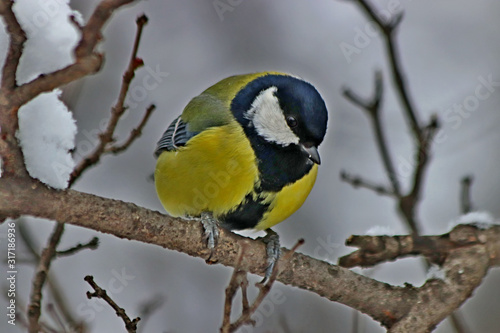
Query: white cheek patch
pixel 268 119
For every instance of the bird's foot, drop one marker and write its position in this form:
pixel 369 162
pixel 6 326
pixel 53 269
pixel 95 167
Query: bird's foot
pixel 272 241
pixel 211 234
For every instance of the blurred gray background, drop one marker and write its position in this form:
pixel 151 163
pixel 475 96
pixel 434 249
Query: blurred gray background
pixel 448 48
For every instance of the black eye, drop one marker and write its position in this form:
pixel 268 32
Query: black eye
pixel 291 121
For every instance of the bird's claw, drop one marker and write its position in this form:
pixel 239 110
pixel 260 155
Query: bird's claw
pixel 211 233
pixel 273 251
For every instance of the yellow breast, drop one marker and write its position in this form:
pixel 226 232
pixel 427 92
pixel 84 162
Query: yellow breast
pixel 288 200
pixel 213 172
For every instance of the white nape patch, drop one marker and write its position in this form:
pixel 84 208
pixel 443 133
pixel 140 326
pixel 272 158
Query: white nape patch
pixel 268 119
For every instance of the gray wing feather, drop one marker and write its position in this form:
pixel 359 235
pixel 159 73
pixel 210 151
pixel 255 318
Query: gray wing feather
pixel 174 137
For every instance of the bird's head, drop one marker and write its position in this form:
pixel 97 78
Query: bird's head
pixel 284 110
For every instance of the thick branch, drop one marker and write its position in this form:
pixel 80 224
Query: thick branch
pixel 126 220
pixel 12 157
pixel 465 253
pixel 374 250
pixel 464 270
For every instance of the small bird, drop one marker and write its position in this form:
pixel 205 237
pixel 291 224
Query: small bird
pixel 243 154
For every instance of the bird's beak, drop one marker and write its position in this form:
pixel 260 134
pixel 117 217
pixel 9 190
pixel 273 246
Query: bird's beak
pixel 312 153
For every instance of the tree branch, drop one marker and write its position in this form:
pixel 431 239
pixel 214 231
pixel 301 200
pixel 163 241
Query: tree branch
pixel 465 198
pixel 17 39
pixel 52 282
pixel 239 280
pixel 126 220
pixel 130 325
pixel 106 137
pixel 88 61
pixel 385 303
pixel 92 245
pixel 12 97
pixel 134 134
pixel 464 255
pixel 389 29
pixel 408 204
pixel 34 308
pixel 464 270
pixel 374 250
pixel 357 181
pixel 12 156
pixel 372 109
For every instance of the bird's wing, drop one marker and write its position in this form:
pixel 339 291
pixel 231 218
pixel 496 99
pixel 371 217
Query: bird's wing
pixel 174 137
pixel 202 112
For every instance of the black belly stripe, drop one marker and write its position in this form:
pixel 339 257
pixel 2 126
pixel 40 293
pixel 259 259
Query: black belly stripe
pixel 247 215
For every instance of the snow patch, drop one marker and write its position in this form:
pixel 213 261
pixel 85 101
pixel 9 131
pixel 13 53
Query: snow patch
pixel 51 36
pixel 47 133
pixel 436 272
pixel 379 230
pixel 482 220
pixel 46 127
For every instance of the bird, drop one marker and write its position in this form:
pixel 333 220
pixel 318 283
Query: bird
pixel 243 155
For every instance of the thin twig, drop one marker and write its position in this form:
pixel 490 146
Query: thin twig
pixel 92 245
pixel 372 107
pixel 357 181
pixel 234 283
pixel 465 197
pixel 423 156
pixel 389 27
pixel 130 325
pixel 34 308
pixel 106 137
pixel 422 136
pixel 17 39
pixel 134 134
pixel 456 318
pixel 52 282
pixel 264 289
pixel 24 93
